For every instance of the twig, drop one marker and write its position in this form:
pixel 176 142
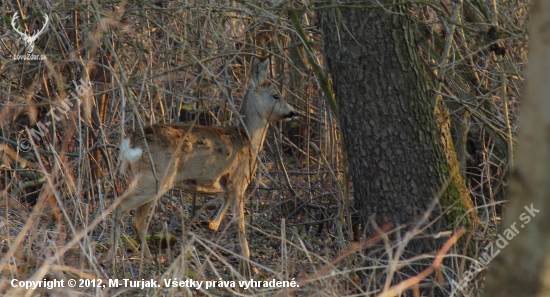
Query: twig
pixel 402 286
pixel 171 198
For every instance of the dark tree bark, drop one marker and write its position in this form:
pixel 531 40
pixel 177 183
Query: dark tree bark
pixel 396 155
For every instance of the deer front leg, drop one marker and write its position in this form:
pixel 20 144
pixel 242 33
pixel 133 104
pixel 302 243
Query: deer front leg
pixel 245 267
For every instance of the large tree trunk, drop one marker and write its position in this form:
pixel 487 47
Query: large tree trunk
pixel 522 268
pixel 396 155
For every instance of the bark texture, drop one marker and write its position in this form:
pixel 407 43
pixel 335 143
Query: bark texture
pixel 523 266
pixel 387 116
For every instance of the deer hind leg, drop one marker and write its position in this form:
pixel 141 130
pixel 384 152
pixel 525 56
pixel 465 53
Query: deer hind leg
pixel 115 235
pixel 142 197
pixel 214 224
pixel 140 225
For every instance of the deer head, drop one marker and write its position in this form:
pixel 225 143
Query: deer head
pixel 29 40
pixel 262 103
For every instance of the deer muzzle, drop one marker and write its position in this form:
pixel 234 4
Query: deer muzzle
pixel 290 115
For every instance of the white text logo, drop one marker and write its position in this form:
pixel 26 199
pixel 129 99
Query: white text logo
pixel 29 40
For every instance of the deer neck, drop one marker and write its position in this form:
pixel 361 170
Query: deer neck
pixel 256 127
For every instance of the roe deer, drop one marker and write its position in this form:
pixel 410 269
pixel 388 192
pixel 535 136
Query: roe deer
pixel 201 159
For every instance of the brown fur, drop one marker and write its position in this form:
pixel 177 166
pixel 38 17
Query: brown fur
pixel 197 147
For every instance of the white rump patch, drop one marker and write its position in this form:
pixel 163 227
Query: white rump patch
pixel 128 155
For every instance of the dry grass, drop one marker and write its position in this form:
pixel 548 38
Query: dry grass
pixel 165 61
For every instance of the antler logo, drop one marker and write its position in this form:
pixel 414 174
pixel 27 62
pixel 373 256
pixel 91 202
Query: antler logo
pixel 29 40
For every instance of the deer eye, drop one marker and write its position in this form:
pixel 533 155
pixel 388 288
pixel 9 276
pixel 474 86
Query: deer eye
pixel 276 96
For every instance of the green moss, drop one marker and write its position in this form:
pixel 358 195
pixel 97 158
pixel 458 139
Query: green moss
pixel 295 125
pixel 160 239
pixel 191 273
pixel 188 107
pixel 453 200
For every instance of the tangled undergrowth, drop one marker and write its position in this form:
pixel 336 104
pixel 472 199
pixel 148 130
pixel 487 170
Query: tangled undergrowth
pixel 174 61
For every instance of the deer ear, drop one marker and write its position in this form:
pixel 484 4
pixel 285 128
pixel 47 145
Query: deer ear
pixel 259 71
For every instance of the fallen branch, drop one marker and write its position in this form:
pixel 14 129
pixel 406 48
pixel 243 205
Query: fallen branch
pixel 402 286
